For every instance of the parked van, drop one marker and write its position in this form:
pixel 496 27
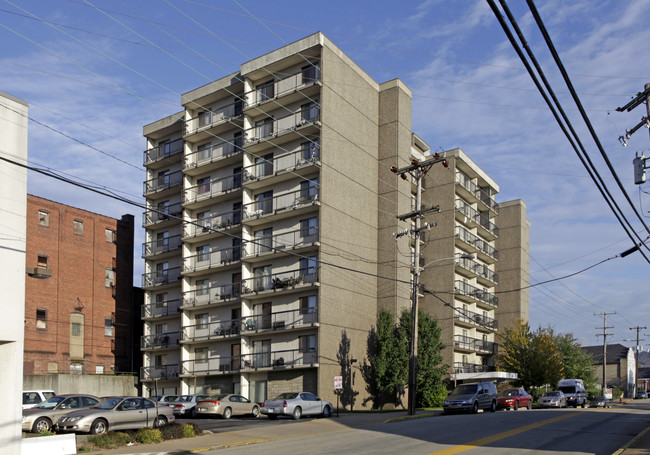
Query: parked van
pixel 574 390
pixel 472 397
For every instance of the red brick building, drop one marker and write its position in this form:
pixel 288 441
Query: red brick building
pixel 79 297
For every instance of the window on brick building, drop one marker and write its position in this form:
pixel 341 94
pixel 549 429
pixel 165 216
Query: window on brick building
pixel 110 235
pixel 110 277
pixel 75 329
pixel 41 261
pixel 76 368
pixel 43 218
pixel 108 326
pixel 99 369
pixel 41 319
pixel 78 227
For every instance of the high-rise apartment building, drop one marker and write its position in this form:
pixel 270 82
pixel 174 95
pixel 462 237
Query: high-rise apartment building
pixel 270 211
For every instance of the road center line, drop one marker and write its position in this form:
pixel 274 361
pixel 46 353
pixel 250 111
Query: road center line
pixel 506 434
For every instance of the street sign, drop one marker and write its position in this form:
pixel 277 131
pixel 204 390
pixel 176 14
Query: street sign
pixel 338 382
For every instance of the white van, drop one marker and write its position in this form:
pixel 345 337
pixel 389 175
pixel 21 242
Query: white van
pixel 33 397
pixel 574 390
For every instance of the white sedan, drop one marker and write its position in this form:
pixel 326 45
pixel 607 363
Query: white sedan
pixel 296 405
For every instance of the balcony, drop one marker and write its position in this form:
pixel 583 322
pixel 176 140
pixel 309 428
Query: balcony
pixel 295 87
pixel 163 216
pixel 159 372
pixel 472 319
pixel 200 230
pixel 162 309
pixel 213 122
pixel 281 206
pixel 470 190
pixel 281 320
pixel 274 132
pixel 217 259
pixel 279 282
pixel 474 244
pixel 212 192
pixel 468 215
pixel 261 248
pixel 212 157
pixel 463 343
pixel 162 247
pixel 467 292
pixel 217 330
pixel 289 358
pixel 164 154
pixel 462 367
pixel 281 168
pixel 159 341
pixel 163 185
pixel 212 366
pixel 216 294
pixel 474 269
pixel 162 278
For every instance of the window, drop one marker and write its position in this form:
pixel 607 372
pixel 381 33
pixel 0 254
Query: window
pixel 238 142
pixel 264 202
pixel 264 128
pixel 78 227
pixel 76 336
pixel 99 369
pixel 265 91
pixel 43 218
pixel 75 329
pixel 203 185
pixel 309 190
pixel 201 321
pixel 309 269
pixel 263 240
pixel 109 278
pixel 307 343
pixel 203 220
pixel 41 319
pixel 264 165
pixel 310 73
pixel 76 368
pixel 108 326
pixel 204 152
pixel 309 112
pixel 110 235
pixel 202 253
pixel 41 261
pixel 201 354
pixel 309 151
pixel 161 300
pixel 202 287
pixel 309 229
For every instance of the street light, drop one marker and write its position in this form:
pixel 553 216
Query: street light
pixel 413 351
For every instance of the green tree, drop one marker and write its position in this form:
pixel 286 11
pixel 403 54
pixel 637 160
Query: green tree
pixel 577 362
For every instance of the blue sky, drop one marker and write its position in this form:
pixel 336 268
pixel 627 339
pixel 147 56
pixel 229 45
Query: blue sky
pixel 98 70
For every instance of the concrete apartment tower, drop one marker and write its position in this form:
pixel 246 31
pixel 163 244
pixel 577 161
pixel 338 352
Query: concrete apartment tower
pixel 271 208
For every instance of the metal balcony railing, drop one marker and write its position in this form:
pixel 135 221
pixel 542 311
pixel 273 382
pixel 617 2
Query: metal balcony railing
pixel 211 260
pixel 159 340
pixel 283 241
pixel 279 359
pixel 159 372
pixel 212 295
pixel 161 309
pixel 288 161
pixel 462 367
pixel 474 344
pixel 161 277
pixel 211 330
pixel 472 317
pixel 213 117
pixel 212 153
pixel 160 246
pixel 280 320
pixel 217 222
pixel 155 215
pixel 283 86
pixel 292 200
pixel 163 182
pixel 477 242
pixel 479 269
pixel 212 188
pixel 276 127
pixel 163 151
pixel 477 293
pixel 482 194
pixel 280 281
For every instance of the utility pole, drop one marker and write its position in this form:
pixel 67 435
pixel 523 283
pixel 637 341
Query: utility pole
pixel 639 162
pixel 636 357
pixel 417 170
pixel 604 335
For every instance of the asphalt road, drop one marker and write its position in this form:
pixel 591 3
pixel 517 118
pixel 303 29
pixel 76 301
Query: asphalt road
pixel 548 431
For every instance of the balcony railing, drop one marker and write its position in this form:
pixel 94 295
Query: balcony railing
pixel 481 194
pixel 288 161
pixel 218 222
pixel 159 341
pixel 211 330
pixel 471 317
pixel 211 260
pixel 159 372
pixel 477 242
pixel 479 269
pixel 212 188
pixel 282 125
pixel 161 277
pixel 160 246
pixel 485 197
pixel 211 295
pixel 283 86
pixel 161 309
pixel 280 281
pixel 279 242
pixel 229 364
pixel 467 289
pixel 163 182
pixel 213 117
pixel 280 320
pixel 462 367
pixel 212 365
pixel 286 201
pixel 163 151
pixel 155 215
pixel 474 344
pixel 212 153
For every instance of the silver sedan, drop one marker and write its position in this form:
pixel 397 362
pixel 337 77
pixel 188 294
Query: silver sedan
pixel 116 413
pixel 295 405
pixel 43 416
pixel 552 399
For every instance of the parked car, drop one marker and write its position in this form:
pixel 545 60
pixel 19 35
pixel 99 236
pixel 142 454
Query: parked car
pixel 514 399
pixel 164 399
pixel 641 394
pixel 116 413
pixel 33 397
pixel 227 405
pixel 296 405
pixel 44 415
pixel 555 399
pixel 600 402
pixel 472 397
pixel 185 405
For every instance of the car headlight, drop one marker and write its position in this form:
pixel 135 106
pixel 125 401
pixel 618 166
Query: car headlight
pixel 69 419
pixel 25 419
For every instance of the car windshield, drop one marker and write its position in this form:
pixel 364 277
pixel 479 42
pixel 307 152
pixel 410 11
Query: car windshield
pixel 108 403
pixel 287 396
pixel 186 398
pixel 509 393
pixel 466 389
pixel 552 394
pixel 51 403
pixel 568 389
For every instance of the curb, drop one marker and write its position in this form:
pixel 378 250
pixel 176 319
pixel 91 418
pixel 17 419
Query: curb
pixel 631 441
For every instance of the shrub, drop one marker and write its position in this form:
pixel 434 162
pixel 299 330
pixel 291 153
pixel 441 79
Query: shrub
pixel 188 431
pixel 149 436
pixel 176 431
pixel 46 433
pixel 111 440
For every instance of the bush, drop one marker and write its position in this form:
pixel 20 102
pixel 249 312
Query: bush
pixel 46 433
pixel 111 440
pixel 149 436
pixel 188 431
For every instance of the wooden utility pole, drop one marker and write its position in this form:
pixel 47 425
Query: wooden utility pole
pixel 604 335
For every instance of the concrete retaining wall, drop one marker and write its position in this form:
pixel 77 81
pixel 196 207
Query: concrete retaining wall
pixel 94 384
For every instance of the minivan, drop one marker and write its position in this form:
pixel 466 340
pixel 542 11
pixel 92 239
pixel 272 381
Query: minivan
pixel 472 397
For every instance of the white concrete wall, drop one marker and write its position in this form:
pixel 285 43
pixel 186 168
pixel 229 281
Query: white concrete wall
pixel 13 209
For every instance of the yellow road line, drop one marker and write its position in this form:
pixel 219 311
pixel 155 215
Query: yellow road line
pixel 505 434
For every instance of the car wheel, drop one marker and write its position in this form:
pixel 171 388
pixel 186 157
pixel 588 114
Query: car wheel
pixel 42 424
pixel 193 413
pixel 530 405
pixel 516 405
pixel 160 422
pixel 327 412
pixel 297 413
pixel 256 411
pixel 99 426
pixel 272 417
pixel 493 406
pixel 227 413
pixel 584 405
pixel 475 407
